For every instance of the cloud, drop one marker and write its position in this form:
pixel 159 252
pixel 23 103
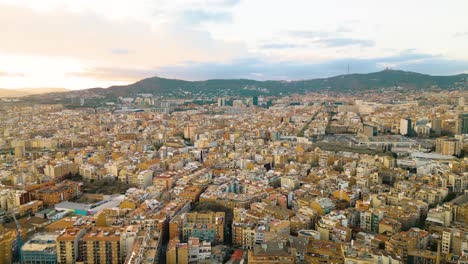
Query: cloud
pixel 409 55
pixel 120 51
pixel 461 34
pixel 114 74
pixel 314 34
pixel 200 39
pixel 226 2
pixel 308 34
pixel 281 46
pixel 342 42
pixel 344 29
pixel 256 68
pixel 199 16
pixel 331 38
pixel 89 37
pixel 436 66
pixel 11 74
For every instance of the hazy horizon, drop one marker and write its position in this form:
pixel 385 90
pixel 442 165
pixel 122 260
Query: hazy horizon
pixel 44 89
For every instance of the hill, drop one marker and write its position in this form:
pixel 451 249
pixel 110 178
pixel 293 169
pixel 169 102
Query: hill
pixel 239 87
pixel 173 88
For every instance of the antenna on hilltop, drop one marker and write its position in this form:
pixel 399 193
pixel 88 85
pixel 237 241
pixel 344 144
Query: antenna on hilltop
pixel 348 69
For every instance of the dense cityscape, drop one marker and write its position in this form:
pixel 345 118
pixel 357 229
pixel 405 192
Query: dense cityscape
pixel 321 177
pixel 233 132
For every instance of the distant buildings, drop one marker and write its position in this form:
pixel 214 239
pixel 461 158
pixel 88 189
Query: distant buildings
pixel 255 101
pixel 60 170
pixel 221 102
pixel 436 126
pixel 462 123
pixel 405 127
pixel 55 194
pixel 448 146
pixel 369 130
pixel 314 178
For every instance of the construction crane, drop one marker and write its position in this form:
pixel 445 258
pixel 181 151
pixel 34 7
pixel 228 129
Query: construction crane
pixel 19 238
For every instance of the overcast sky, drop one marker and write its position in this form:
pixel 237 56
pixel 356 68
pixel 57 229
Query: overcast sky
pixel 97 43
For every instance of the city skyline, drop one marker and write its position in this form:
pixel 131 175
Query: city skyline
pixel 83 44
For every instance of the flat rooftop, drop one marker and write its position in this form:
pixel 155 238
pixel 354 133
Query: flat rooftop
pixel 436 156
pixel 41 242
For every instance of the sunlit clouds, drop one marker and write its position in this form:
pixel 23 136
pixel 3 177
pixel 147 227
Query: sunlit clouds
pixel 82 44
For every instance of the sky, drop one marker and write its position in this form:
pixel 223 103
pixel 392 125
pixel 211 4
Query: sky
pixel 79 44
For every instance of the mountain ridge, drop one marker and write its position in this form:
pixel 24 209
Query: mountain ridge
pixel 381 79
pixel 176 88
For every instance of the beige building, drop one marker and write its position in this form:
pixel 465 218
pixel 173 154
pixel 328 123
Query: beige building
pixel 206 226
pixel 448 146
pixel 103 245
pixel 177 253
pixel 60 169
pixel 272 253
pixel 68 245
pixel 7 240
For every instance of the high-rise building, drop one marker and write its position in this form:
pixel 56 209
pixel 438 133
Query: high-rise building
pixel 436 126
pixel 446 239
pixel 255 100
pixel 189 132
pixel 221 101
pixel 422 131
pixel 405 127
pixel 462 123
pixel 448 146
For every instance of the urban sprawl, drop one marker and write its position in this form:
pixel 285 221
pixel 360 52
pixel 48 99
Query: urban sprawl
pixel 375 177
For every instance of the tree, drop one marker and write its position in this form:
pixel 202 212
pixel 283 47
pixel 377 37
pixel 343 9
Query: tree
pixel 157 145
pixel 338 168
pixel 314 164
pixel 449 197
